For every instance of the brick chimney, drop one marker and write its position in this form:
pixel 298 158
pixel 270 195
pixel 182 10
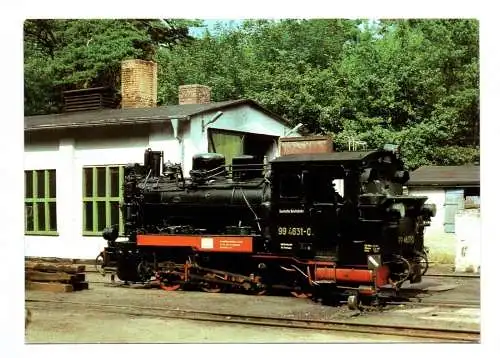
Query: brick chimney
pixel 139 84
pixel 194 94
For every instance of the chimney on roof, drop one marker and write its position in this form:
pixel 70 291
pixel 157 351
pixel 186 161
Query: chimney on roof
pixel 194 94
pixel 139 83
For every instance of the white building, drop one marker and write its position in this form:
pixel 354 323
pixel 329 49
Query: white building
pixel 453 189
pixel 74 160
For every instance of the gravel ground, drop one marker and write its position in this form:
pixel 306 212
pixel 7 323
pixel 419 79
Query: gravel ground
pixel 77 325
pixel 63 326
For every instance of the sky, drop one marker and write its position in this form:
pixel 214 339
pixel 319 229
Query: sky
pixel 210 25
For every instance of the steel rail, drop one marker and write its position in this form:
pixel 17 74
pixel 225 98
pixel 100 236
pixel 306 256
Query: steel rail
pixel 437 334
pixel 452 275
pixel 437 303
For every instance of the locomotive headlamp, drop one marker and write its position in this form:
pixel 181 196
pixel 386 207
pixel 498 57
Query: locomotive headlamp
pixel 398 208
pixel 429 210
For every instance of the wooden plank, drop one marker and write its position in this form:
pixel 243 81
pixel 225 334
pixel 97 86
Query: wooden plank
pixel 49 287
pixel 83 101
pixel 83 108
pixel 46 267
pixel 67 98
pixel 49 259
pixel 83 105
pixel 53 276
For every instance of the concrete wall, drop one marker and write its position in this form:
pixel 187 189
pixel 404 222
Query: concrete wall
pixel 441 245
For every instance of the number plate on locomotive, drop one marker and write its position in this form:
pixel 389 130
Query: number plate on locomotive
pixel 294 231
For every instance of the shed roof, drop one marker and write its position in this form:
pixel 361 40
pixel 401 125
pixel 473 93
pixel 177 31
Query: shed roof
pixel 466 175
pixel 105 117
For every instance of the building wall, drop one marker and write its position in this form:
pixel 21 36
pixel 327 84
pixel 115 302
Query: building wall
pixel 468 241
pixel 70 151
pixel 69 156
pixel 239 119
pixel 441 244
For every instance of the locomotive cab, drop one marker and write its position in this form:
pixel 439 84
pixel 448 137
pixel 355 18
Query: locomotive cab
pixel 306 201
pixel 368 218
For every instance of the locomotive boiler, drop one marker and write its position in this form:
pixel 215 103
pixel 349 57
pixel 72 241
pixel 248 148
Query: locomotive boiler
pixel 284 225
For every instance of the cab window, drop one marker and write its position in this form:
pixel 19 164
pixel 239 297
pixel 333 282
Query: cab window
pixel 290 185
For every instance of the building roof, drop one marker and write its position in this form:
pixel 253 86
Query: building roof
pixel 106 117
pixel 464 175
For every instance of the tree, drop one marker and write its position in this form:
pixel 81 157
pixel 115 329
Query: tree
pixel 416 83
pixel 409 82
pixel 69 54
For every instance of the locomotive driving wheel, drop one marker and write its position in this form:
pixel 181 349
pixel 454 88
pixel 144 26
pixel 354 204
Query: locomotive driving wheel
pixel 168 283
pixel 210 287
pixel 301 294
pixel 168 286
pixel 301 290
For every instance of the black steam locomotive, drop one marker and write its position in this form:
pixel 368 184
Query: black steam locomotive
pixel 283 225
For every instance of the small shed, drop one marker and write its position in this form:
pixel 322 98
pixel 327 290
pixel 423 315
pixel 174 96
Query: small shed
pixel 453 189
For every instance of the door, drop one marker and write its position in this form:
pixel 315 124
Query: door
pixel 454 201
pixel 226 143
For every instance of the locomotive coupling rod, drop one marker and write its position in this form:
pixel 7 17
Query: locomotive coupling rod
pixel 224 273
pixel 222 282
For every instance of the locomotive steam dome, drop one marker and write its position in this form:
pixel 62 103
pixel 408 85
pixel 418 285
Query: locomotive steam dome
pixel 208 161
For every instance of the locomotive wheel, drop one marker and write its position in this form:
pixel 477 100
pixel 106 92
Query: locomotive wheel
pixel 352 302
pixel 424 262
pixel 210 287
pixel 169 286
pixel 99 261
pixel 301 294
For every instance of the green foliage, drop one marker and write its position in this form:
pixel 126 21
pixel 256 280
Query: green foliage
pixel 409 82
pixel 416 83
pixel 68 54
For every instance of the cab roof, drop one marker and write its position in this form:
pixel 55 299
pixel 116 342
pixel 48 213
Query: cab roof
pixel 335 157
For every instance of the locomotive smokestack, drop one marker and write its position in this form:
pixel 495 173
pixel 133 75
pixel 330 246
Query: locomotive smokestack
pixel 152 162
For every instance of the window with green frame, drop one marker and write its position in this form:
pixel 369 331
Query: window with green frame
pixel 102 195
pixel 40 216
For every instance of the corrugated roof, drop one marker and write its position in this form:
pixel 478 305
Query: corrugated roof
pixel 445 176
pixel 132 115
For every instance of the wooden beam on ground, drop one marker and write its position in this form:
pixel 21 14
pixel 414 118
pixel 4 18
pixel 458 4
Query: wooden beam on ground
pixel 49 287
pixel 53 276
pixel 46 267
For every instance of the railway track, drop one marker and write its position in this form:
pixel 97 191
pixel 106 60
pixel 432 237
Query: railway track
pixel 435 334
pixel 409 301
pixel 440 303
pixel 453 275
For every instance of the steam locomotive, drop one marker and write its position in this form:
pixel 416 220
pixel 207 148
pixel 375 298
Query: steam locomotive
pixel 316 225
